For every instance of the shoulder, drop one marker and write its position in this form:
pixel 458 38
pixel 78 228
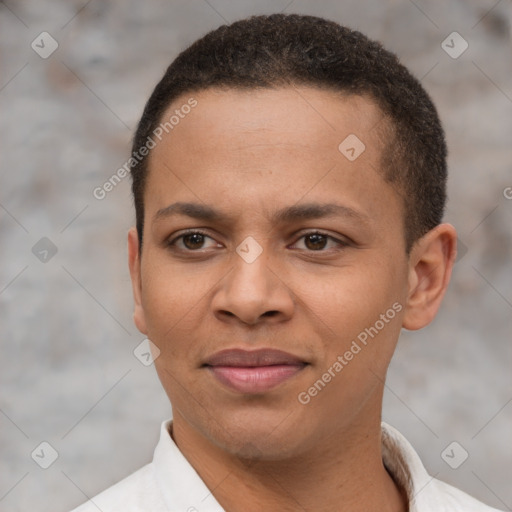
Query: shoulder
pixel 445 497
pixel 137 492
pixel 425 493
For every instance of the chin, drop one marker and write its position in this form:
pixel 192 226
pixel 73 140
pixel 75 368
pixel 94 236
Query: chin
pixel 258 436
pixel 256 448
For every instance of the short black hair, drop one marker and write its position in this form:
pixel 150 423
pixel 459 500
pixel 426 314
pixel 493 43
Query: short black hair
pixel 295 50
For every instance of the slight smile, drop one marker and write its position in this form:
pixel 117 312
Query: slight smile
pixel 253 371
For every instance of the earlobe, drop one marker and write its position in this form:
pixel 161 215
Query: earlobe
pixel 430 267
pixel 135 274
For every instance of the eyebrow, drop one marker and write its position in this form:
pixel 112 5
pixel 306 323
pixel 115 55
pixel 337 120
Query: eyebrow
pixel 287 214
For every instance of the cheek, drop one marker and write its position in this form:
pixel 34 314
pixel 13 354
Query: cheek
pixel 357 316
pixel 172 302
pixel 360 313
pixel 353 298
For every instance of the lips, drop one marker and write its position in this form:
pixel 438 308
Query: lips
pixel 255 371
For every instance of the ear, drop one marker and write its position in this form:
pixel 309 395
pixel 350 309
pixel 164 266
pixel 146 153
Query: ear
pixel 430 268
pixel 135 274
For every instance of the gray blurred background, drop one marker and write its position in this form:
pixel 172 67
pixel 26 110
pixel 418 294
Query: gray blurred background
pixel 68 373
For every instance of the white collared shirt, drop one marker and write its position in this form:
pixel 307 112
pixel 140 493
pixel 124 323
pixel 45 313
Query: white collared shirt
pixel 170 484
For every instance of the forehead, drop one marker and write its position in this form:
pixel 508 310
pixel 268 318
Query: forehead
pixel 281 145
pixel 306 117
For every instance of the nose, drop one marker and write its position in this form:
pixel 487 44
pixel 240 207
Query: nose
pixel 253 292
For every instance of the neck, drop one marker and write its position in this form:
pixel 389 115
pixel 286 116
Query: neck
pixel 345 472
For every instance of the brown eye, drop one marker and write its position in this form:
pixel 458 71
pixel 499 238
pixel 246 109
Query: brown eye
pixel 315 241
pixel 193 241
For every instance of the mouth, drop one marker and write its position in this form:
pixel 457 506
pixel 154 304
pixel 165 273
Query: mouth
pixel 255 371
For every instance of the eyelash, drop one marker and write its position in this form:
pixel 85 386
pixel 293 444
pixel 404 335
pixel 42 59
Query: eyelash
pixel 341 244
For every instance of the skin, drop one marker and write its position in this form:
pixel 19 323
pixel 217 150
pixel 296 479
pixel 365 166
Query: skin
pixel 249 154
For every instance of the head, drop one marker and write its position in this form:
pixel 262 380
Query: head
pixel 291 199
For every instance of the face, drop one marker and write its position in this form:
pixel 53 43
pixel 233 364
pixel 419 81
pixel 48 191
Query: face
pixel 273 273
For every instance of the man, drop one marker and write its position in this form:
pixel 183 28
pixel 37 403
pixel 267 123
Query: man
pixel 289 182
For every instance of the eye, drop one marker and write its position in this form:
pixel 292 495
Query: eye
pixel 191 241
pixel 318 241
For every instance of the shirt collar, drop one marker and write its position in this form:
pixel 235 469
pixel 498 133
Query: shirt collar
pixel 181 487
pixel 406 468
